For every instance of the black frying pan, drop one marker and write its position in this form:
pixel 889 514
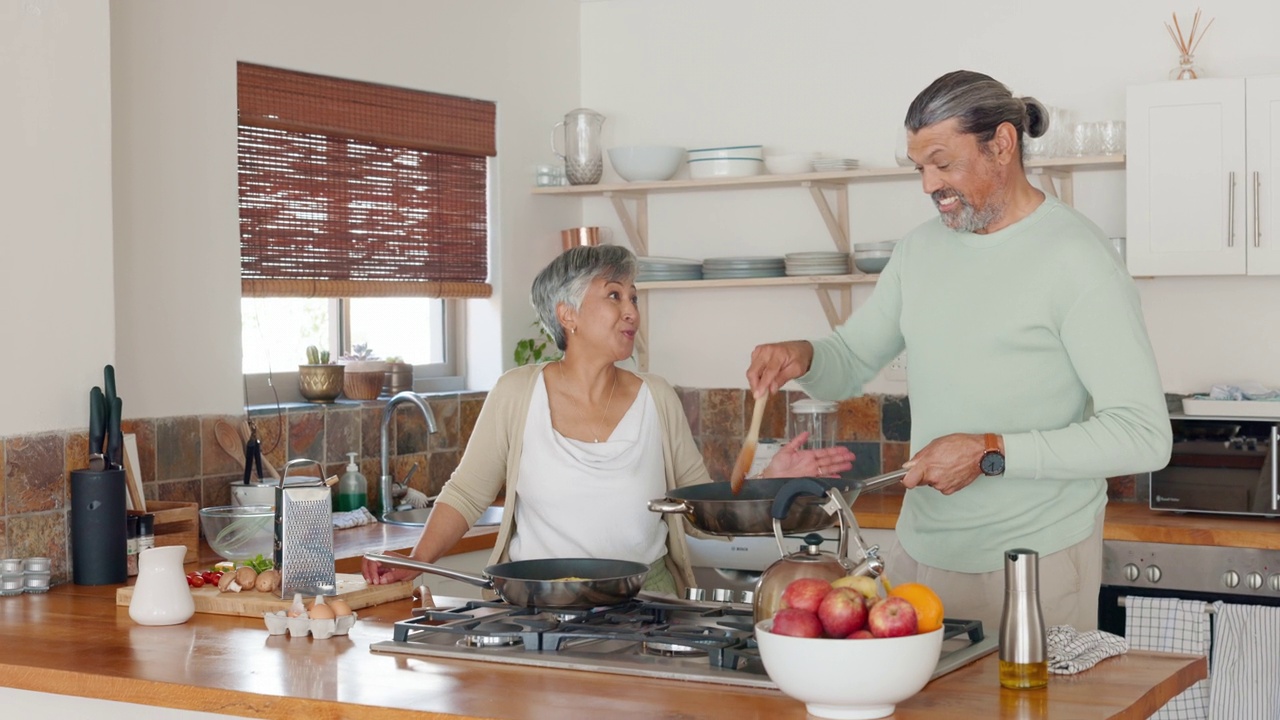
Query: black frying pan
pixel 554 583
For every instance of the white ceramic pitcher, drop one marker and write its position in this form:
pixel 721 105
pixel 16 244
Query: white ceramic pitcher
pixel 161 595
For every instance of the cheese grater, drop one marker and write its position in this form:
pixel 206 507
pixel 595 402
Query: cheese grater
pixel 304 534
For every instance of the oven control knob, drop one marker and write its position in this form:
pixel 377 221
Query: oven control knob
pixel 1131 572
pixel 1254 580
pixel 1153 573
pixel 1273 582
pixel 1231 578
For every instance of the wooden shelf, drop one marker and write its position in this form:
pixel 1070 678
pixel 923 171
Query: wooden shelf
pixel 1064 164
pixel 795 280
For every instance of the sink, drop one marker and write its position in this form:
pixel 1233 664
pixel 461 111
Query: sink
pixel 418 516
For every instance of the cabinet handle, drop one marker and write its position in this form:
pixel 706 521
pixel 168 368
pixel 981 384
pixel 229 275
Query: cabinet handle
pixel 1257 216
pixel 1231 209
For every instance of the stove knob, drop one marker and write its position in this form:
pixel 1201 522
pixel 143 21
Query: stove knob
pixel 1131 572
pixel 1230 578
pixel 1254 580
pixel 722 595
pixel 1273 582
pixel 746 597
pixel 696 594
pixel 1153 573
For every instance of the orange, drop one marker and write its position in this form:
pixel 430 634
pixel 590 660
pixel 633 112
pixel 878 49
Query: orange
pixel 926 602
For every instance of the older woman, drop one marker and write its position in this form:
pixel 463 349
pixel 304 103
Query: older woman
pixel 581 445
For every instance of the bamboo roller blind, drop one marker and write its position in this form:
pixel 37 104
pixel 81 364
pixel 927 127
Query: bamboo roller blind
pixel 350 189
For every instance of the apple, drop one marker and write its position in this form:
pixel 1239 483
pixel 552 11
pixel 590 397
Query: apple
pixel 860 634
pixel 864 584
pixel 892 617
pixel 797 623
pixel 842 612
pixel 805 594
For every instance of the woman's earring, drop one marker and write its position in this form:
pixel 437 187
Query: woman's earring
pixel 573 331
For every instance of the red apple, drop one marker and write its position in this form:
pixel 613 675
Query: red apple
pixel 797 623
pixel 805 594
pixel 892 617
pixel 842 611
pixel 860 634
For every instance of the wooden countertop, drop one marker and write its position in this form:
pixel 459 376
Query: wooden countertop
pixel 76 641
pixel 1126 521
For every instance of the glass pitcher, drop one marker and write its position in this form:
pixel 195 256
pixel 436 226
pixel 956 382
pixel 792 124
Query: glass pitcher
pixel 583 159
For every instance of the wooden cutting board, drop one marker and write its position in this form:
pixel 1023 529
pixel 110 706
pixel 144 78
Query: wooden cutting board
pixel 249 603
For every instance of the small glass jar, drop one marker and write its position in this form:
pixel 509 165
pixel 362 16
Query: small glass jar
pixel 548 175
pixel 816 417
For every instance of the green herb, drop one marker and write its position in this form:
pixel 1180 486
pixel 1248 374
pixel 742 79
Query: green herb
pixel 260 563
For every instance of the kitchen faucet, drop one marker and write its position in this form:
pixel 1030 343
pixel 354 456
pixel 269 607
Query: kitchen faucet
pixel 387 482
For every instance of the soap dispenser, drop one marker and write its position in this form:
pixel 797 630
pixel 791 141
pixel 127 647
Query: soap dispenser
pixel 353 488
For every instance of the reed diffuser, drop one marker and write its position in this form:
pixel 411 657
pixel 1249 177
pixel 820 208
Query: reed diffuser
pixel 1187 68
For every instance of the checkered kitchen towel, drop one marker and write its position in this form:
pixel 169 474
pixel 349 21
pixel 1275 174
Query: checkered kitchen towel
pixel 1174 626
pixel 1246 663
pixel 1072 651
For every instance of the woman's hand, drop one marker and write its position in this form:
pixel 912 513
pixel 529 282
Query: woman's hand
pixel 792 461
pixel 376 573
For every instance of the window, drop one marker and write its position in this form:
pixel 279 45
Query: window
pixel 364 220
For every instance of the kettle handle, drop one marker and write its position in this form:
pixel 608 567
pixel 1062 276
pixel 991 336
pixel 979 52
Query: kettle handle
pixel 789 492
pixel 555 127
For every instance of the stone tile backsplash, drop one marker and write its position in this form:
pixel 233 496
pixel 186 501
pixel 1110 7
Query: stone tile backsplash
pixel 180 458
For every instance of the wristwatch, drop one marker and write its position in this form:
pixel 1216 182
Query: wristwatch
pixel 992 462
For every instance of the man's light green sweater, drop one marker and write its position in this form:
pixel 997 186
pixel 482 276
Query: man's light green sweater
pixel 1034 332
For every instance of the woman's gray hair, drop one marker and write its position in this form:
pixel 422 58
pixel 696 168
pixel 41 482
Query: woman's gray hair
pixel 981 103
pixel 566 279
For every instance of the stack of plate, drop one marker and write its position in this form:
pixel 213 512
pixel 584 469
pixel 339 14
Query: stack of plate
pixel 817 263
pixel 724 268
pixel 668 268
pixel 826 164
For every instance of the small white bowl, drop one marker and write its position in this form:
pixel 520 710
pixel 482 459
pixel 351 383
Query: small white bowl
pixel 849 679
pixel 755 152
pixel 872 246
pixel 794 164
pixel 871 265
pixel 724 167
pixel 646 163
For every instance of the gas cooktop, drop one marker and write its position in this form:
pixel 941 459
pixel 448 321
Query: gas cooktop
pixel 671 639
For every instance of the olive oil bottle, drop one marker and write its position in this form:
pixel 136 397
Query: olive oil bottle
pixel 1024 662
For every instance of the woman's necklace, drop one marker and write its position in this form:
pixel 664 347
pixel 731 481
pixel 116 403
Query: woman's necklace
pixel 604 416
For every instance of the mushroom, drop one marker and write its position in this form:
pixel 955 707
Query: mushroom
pixel 227 583
pixel 268 581
pixel 246 577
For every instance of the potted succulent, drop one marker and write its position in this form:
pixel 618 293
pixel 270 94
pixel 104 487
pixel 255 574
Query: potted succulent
pixel 399 375
pixel 319 380
pixel 365 373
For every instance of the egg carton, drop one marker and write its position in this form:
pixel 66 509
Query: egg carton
pixel 279 622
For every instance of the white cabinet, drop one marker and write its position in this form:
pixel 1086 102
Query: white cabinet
pixel 1203 166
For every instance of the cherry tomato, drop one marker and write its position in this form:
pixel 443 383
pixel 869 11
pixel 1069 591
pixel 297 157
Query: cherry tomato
pixel 196 582
pixel 207 575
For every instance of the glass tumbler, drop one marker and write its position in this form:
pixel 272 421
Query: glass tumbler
pixel 816 417
pixel 1111 137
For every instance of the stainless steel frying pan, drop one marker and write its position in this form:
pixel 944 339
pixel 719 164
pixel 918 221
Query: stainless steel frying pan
pixel 555 583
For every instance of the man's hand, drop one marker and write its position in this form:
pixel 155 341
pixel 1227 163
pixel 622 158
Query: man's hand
pixel 775 364
pixel 947 464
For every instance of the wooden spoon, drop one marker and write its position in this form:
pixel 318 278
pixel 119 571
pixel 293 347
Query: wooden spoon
pixel 748 454
pixel 229 440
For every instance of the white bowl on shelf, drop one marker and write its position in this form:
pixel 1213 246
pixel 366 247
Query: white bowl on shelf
pixel 725 167
pixel 728 151
pixel 646 163
pixel 875 246
pixel 871 262
pixel 789 164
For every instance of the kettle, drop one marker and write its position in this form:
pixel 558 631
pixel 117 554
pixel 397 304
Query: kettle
pixel 810 560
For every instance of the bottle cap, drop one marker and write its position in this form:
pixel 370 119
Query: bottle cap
pixel 146 524
pixel 351 463
pixel 1021 570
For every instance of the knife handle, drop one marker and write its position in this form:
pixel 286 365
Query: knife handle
pixel 115 440
pixel 97 425
pixel 109 384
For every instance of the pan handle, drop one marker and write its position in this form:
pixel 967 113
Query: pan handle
pixel 880 482
pixel 663 505
pixel 402 562
pixel 789 493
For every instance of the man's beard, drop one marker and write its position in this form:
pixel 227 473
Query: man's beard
pixel 966 218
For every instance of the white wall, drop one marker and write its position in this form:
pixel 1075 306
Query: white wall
pixel 56 294
pixel 836 76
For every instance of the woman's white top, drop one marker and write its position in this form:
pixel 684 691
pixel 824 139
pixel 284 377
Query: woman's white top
pixel 591 500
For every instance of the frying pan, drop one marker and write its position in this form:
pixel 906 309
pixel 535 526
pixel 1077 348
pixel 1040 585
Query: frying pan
pixel 554 583
pixel 714 509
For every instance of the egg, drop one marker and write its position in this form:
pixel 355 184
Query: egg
pixel 321 611
pixel 340 607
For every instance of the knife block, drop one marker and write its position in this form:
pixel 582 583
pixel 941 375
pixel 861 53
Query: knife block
pixel 98 527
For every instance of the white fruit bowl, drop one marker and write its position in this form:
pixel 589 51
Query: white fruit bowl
pixel 849 679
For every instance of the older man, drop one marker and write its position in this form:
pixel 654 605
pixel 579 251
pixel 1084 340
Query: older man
pixel 1031 377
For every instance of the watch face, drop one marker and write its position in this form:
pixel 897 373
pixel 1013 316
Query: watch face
pixel 993 464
